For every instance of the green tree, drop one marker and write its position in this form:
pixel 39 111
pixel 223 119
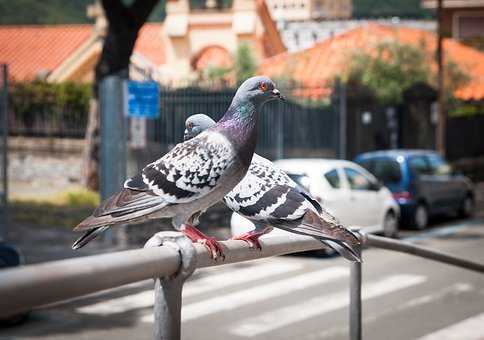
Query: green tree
pixel 245 65
pixel 393 67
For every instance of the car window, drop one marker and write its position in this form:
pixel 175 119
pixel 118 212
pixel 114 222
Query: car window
pixel 357 180
pixel 300 179
pixel 438 166
pixel 368 164
pixel 333 179
pixel 419 166
pixel 387 170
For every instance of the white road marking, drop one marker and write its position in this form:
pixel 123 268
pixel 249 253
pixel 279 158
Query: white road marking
pixel 257 294
pixel 286 316
pixel 239 276
pixel 469 329
pixel 206 284
pixel 453 290
pixel 442 231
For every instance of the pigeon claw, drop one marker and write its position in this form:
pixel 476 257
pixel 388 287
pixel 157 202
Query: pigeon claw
pixel 251 238
pixel 213 246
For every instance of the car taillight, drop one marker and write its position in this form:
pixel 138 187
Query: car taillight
pixel 402 195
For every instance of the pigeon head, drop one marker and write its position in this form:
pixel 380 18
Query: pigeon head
pixel 195 124
pixel 257 90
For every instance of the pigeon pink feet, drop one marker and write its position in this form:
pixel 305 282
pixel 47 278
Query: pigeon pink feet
pixel 252 238
pixel 214 247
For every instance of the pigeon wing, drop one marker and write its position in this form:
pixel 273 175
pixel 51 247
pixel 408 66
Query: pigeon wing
pixel 263 192
pixel 188 172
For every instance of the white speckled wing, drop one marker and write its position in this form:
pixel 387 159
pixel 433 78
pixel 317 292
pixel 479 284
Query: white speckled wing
pixel 189 171
pixel 266 192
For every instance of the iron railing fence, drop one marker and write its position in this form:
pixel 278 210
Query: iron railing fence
pixel 303 123
pixel 33 286
pixel 285 129
pixel 3 151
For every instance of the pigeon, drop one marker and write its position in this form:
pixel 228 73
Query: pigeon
pixel 191 177
pixel 269 198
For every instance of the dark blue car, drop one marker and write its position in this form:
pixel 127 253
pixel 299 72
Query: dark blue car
pixel 422 183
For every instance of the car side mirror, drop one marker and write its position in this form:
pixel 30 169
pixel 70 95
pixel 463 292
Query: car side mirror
pixel 376 186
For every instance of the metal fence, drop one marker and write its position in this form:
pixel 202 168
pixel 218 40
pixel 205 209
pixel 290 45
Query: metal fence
pixel 3 150
pixel 284 130
pixel 42 284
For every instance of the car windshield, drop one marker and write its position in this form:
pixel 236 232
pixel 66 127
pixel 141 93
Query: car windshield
pixel 386 170
pixel 438 166
pixel 301 179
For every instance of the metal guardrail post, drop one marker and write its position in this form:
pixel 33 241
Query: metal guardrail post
pixel 168 290
pixel 355 301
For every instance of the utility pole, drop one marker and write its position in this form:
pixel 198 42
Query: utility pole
pixel 113 144
pixel 342 118
pixel 441 110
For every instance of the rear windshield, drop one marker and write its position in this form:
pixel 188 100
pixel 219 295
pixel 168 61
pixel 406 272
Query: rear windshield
pixel 300 179
pixel 386 170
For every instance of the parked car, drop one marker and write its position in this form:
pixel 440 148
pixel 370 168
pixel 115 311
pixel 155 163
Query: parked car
pixel 11 257
pixel 422 183
pixel 345 189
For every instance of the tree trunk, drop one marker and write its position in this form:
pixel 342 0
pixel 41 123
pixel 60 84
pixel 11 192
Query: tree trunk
pixel 124 23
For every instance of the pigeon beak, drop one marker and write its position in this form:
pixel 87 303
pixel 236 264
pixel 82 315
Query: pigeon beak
pixel 186 135
pixel 276 93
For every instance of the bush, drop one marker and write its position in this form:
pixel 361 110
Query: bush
pixel 53 104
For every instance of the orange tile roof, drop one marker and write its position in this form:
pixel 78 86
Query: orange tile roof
pixel 317 66
pixel 31 49
pixel 149 43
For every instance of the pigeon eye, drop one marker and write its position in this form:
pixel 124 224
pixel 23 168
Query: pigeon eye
pixel 263 87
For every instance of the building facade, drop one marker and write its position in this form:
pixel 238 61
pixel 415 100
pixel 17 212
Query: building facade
pixel 304 10
pixel 462 20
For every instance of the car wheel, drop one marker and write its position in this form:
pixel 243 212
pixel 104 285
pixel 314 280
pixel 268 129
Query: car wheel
pixel 390 225
pixel 420 217
pixel 467 207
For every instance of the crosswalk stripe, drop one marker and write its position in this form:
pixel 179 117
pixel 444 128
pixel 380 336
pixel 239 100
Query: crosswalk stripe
pixel 339 330
pixel 469 329
pixel 256 294
pixel 206 284
pixel 286 316
pixel 239 276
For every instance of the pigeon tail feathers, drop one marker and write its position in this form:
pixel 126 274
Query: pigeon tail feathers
pixel 334 235
pixel 88 237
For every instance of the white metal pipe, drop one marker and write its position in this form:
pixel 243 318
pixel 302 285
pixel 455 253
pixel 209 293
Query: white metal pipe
pixel 27 287
pixel 32 286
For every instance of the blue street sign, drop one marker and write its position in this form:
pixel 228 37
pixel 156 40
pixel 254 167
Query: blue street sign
pixel 143 99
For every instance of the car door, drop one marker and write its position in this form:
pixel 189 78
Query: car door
pixel 363 198
pixel 336 197
pixel 447 185
pixel 429 186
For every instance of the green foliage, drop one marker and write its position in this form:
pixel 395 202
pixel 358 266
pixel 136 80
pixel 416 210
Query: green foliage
pixel 390 8
pixel 28 99
pixel 215 74
pixel 245 64
pixel 395 67
pixel 44 12
pixel 81 198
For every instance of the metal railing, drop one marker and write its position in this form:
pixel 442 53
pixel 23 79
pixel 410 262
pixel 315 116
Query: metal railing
pixel 25 288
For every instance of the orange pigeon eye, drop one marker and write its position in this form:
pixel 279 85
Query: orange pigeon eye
pixel 263 86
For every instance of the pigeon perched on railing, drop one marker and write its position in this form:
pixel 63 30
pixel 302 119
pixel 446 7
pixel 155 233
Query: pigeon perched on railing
pixel 191 177
pixel 269 198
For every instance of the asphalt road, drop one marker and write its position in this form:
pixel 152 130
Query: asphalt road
pixel 297 297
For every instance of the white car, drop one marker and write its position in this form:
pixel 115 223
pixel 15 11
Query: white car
pixel 345 189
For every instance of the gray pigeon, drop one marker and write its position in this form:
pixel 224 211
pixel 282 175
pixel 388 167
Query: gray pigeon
pixel 191 177
pixel 269 198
